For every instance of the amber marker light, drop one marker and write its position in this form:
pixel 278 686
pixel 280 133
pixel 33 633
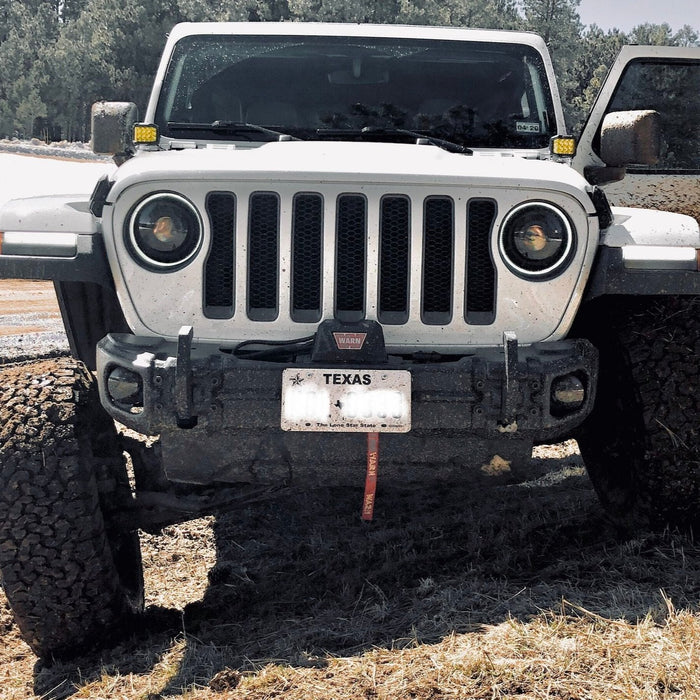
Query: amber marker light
pixel 145 133
pixel 563 145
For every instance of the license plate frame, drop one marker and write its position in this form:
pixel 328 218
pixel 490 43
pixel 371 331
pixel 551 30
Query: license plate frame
pixel 346 400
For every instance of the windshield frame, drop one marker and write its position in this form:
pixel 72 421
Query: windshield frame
pixel 396 53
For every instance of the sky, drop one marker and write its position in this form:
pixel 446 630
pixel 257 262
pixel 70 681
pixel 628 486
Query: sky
pixel 626 14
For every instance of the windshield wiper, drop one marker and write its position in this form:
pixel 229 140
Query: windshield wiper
pixel 232 129
pixel 374 131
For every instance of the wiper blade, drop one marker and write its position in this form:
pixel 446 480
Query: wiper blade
pixel 370 131
pixel 446 145
pixel 231 128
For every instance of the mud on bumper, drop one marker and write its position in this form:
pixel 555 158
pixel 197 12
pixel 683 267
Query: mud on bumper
pixel 219 415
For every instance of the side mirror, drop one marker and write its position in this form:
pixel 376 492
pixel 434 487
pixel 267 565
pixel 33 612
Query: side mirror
pixel 630 138
pixel 112 127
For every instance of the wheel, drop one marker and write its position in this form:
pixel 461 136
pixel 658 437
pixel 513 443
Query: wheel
pixel 71 577
pixel 640 444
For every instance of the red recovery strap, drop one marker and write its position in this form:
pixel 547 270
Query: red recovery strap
pixel 371 478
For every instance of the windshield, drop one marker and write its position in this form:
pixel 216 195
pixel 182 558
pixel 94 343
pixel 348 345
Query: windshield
pixel 488 95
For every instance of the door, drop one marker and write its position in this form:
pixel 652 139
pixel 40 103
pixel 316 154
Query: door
pixel 665 79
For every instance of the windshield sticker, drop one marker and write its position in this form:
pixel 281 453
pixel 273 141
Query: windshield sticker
pixel 527 127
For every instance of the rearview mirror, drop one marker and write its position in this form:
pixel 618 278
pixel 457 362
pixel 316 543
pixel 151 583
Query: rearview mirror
pixel 630 138
pixel 112 127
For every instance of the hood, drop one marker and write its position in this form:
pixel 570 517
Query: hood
pixel 339 162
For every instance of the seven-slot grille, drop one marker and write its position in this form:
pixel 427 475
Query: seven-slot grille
pixel 398 258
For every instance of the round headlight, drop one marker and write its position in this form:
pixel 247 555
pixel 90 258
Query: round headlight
pixel 164 231
pixel 536 240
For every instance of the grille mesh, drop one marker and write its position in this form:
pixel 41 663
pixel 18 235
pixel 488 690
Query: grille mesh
pixel 351 245
pixel 394 263
pixel 263 256
pixel 438 244
pixel 307 247
pixel 481 272
pixel 220 265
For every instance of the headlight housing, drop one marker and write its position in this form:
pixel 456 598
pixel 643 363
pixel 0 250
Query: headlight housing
pixel 164 231
pixel 537 240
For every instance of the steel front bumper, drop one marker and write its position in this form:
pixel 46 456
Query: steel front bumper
pixel 219 415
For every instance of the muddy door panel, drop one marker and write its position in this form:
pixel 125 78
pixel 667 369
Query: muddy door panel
pixel 667 81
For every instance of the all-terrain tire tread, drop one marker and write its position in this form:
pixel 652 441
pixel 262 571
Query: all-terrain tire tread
pixel 641 444
pixel 57 565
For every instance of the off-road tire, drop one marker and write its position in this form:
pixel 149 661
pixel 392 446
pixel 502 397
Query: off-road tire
pixel 72 579
pixel 640 444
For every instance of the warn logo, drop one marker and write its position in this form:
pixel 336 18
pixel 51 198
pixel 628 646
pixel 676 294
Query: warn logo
pixel 349 341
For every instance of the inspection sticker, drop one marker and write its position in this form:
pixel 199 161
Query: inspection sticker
pixel 527 127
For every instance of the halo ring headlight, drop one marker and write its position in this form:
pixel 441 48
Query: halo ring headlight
pixel 536 240
pixel 164 231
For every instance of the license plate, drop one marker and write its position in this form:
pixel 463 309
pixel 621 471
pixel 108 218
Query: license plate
pixel 347 400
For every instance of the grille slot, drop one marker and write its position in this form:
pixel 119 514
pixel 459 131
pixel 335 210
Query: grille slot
pixel 480 303
pixel 220 264
pixel 438 254
pixel 351 252
pixel 263 256
pixel 394 262
pixel 307 258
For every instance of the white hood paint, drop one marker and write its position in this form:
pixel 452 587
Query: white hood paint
pixel 339 162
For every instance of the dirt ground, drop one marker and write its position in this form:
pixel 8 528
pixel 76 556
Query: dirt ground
pixel 520 590
pixel 30 321
pixel 511 590
pixel 26 297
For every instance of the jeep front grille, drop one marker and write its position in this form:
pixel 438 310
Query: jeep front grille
pixel 398 253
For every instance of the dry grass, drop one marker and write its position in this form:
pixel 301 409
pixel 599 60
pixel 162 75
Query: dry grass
pixel 519 591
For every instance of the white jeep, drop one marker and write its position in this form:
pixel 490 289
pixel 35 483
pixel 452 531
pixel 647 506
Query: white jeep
pixel 319 232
